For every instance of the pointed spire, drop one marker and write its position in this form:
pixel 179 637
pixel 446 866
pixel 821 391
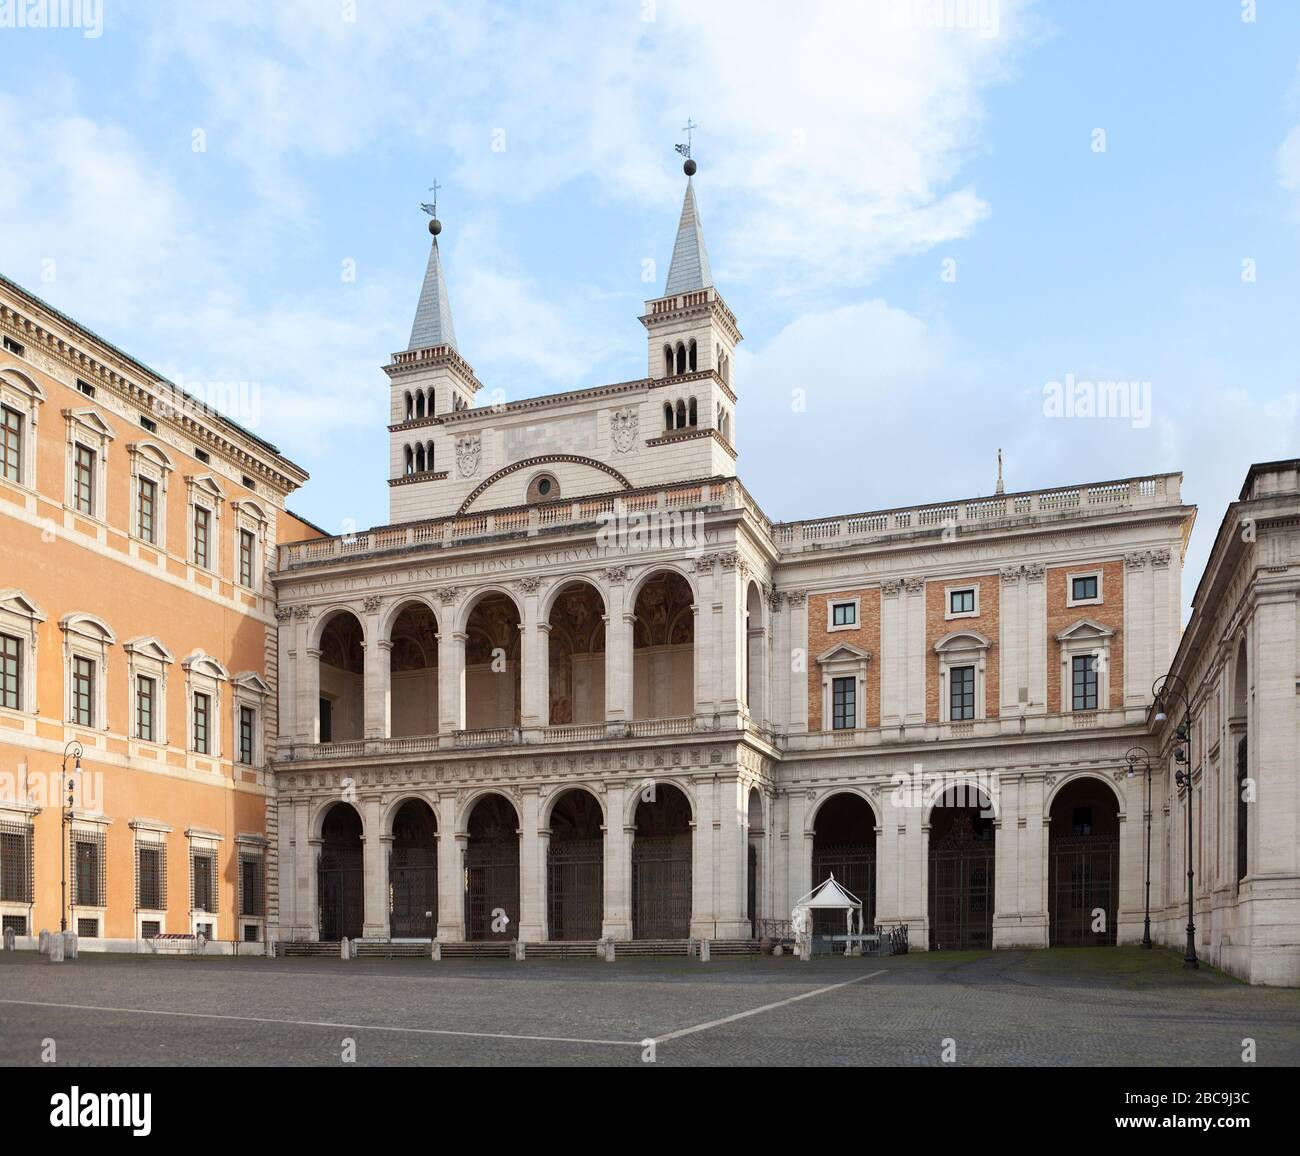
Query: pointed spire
pixel 689 270
pixel 432 325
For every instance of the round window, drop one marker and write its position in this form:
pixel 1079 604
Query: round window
pixel 544 487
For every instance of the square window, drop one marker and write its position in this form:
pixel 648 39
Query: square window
pixel 1084 588
pixel 844 614
pixel 844 705
pixel 1084 679
pixel 961 601
pixel 961 693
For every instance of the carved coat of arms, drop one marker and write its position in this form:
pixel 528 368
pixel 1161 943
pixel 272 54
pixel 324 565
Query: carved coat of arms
pixel 622 428
pixel 468 451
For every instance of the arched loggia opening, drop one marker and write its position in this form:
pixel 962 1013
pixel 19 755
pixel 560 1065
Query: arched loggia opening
pixel 342 679
pixel 413 672
pixel 413 873
pixel 492 666
pixel 1083 865
pixel 844 845
pixel 755 867
pixel 575 868
pixel 340 875
pixel 755 651
pixel 661 864
pixel 961 870
pixel 492 870
pixel 663 658
pixel 577 655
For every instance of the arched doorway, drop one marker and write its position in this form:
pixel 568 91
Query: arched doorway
pixel 575 868
pixel 844 844
pixel 577 656
pixel 1083 865
pixel 413 873
pixel 492 870
pixel 663 649
pixel 342 679
pixel 754 862
pixel 492 664
pixel 661 865
pixel 961 870
pixel 413 666
pixel 340 875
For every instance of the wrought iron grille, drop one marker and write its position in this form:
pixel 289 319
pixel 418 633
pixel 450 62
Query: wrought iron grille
pixel 961 887
pixel 150 876
pixel 413 892
pixel 89 873
pixel 341 898
pixel 661 886
pixel 491 884
pixel 203 879
pixel 854 866
pixel 575 880
pixel 17 862
pixel 1084 877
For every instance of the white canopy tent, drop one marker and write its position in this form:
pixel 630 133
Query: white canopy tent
pixel 827 896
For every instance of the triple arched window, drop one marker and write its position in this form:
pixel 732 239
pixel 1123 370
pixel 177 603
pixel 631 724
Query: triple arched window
pixel 681 415
pixel 418 458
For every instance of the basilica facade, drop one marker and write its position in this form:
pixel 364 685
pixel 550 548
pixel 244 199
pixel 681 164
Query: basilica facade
pixel 581 687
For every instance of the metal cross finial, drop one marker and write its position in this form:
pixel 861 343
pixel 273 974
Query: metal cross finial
pixel 432 209
pixel 690 127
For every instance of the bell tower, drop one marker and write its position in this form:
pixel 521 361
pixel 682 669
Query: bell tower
pixel 691 333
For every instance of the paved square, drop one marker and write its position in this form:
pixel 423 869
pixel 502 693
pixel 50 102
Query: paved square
pixel 1105 1007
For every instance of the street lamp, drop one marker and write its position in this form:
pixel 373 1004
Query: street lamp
pixel 67 788
pixel 1172 690
pixel 1139 760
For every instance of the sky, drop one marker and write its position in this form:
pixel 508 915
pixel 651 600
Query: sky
pixel 931 219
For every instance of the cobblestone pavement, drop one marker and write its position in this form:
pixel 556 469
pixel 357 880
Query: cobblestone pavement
pixel 1091 1007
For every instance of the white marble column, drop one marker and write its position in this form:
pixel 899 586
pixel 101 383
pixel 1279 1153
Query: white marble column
pixel 451 873
pixel 375 860
pixel 534 704
pixel 533 844
pixel 618 655
pixel 451 683
pixel 306 727
pixel 703 860
pixel 378 684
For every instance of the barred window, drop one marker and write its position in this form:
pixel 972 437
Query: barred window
pixel 203 891
pixel 83 480
pixel 151 876
pixel 252 899
pixel 146 504
pixel 88 883
pixel 83 691
pixel 16 862
pixel 247 722
pixel 11 672
pixel 247 554
pixel 15 923
pixel 144 708
pixel 202 519
pixel 11 445
pixel 961 703
pixel 88 928
pixel 202 710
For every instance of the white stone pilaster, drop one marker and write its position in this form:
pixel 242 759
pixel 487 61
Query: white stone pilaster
pixel 703 859
pixel 532 870
pixel 451 683
pixel 451 873
pixel 616 922
pixel 375 860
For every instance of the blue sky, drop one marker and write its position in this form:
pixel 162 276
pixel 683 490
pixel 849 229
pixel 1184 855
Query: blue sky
pixel 191 182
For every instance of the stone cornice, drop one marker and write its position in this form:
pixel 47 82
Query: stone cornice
pixel 691 435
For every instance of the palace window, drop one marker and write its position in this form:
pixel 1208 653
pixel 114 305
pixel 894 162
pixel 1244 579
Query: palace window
pixel 83 691
pixel 844 704
pixel 11 672
pixel 249 693
pixel 204 679
pixel 247 550
pixel 85 644
pixel 146 501
pixel 202 528
pixel 83 480
pixel 205 500
pixel 961 688
pixel 88 882
pixel 961 601
pixel 151 876
pixel 86 480
pixel 1084 681
pixel 150 467
pixel 247 729
pixel 11 444
pixel 843 615
pixel 252 888
pixel 17 854
pixel 1085 589
pixel 202 881
pixel 202 717
pixel 145 696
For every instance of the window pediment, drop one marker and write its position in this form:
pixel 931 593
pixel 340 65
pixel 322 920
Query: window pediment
pixel 206 485
pixel 16 602
pixel 1084 628
pixel 152 453
pixel 205 664
pixel 87 626
pixel 16 379
pixel 252 682
pixel 90 419
pixel 844 652
pixel 960 640
pixel 148 647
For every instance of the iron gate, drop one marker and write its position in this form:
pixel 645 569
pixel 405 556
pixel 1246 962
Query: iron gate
pixel 491 882
pixel 854 867
pixel 661 886
pixel 751 907
pixel 1084 877
pixel 341 896
pixel 575 881
pixel 961 887
pixel 413 892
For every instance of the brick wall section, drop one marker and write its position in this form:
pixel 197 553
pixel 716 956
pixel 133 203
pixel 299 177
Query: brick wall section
pixel 865 637
pixel 1110 613
pixel 985 623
